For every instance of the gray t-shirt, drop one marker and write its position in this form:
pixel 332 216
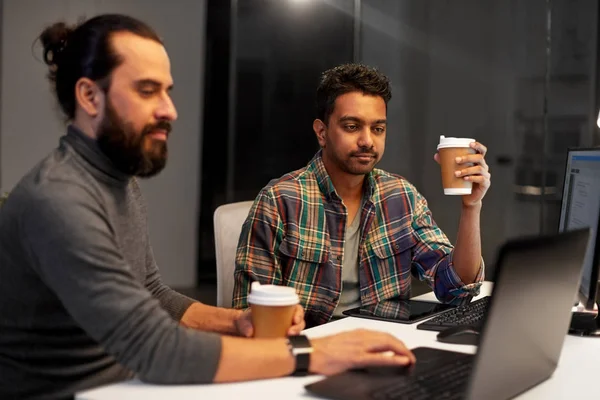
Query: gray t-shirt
pixel 350 296
pixel 81 298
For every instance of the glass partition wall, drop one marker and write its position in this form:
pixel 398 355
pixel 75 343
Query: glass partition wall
pixel 520 77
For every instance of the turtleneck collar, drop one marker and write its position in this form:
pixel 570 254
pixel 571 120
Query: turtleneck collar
pixel 101 166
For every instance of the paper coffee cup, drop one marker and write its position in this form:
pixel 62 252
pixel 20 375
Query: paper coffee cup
pixel 449 148
pixel 272 309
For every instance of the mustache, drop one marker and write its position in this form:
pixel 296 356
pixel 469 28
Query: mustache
pixel 362 153
pixel 160 125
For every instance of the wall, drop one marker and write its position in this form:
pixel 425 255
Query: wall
pixel 30 123
pixel 440 73
pixel 476 69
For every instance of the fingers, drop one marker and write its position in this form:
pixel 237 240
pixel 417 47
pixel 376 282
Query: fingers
pixel 390 343
pixel 298 315
pixel 476 159
pixel 246 330
pixel 383 360
pixel 298 323
pixel 297 328
pixel 481 180
pixel 481 149
pixel 476 170
pixel 358 348
pixel 293 331
pixel 244 324
pixel 384 342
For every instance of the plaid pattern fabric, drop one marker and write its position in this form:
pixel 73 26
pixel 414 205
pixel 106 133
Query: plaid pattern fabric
pixel 392 310
pixel 294 236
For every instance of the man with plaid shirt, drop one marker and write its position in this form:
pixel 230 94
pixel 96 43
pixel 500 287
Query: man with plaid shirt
pixel 344 233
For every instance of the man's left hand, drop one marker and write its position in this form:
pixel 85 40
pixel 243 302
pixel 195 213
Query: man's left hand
pixel 478 173
pixel 245 328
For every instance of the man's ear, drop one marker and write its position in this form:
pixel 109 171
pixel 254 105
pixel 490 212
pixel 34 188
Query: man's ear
pixel 320 130
pixel 89 96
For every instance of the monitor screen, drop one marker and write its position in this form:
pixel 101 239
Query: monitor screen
pixel 581 208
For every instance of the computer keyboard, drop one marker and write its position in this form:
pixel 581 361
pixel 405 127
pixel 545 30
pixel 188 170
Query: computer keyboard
pixel 469 314
pixel 446 381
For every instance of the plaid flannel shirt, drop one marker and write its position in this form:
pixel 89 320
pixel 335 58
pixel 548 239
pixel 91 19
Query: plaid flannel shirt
pixel 294 236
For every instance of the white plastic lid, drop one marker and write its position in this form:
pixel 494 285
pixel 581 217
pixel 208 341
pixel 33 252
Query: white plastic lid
pixel 272 295
pixel 446 142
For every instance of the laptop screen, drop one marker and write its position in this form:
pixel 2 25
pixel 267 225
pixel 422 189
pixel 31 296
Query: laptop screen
pixel 581 203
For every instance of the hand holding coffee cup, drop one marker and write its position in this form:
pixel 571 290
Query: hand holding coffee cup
pixel 273 310
pixel 463 168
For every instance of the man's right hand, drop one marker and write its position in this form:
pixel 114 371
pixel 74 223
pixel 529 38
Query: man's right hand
pixel 357 349
pixel 244 359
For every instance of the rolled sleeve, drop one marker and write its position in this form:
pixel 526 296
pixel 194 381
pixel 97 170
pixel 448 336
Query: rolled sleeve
pixel 449 287
pixel 433 258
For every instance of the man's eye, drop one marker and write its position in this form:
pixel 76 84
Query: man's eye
pixel 379 129
pixel 146 93
pixel 351 127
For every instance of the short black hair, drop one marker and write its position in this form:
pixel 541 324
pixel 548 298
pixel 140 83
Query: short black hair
pixel 85 50
pixel 348 78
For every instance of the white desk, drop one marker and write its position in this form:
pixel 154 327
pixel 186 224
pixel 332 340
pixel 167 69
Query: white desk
pixel 576 376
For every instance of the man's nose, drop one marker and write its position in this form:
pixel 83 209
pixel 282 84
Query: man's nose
pixel 365 140
pixel 166 110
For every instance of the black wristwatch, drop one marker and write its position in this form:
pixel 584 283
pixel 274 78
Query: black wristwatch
pixel 300 348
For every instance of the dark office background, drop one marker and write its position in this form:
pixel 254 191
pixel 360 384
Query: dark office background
pixel 260 95
pixel 519 76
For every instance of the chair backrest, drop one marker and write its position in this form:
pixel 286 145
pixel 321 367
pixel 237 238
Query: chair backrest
pixel 228 221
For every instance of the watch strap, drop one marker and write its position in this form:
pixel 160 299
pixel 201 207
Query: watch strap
pixel 301 349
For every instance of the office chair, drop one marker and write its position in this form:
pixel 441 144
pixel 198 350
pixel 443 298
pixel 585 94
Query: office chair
pixel 228 220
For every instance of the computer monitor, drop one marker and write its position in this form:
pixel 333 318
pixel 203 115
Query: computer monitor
pixel 581 208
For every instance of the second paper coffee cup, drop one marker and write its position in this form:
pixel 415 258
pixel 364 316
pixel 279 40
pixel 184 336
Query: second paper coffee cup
pixel 272 309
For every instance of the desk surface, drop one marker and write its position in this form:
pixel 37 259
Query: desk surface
pixel 576 375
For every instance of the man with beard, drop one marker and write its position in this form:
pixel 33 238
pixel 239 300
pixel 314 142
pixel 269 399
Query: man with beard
pixel 343 233
pixel 81 298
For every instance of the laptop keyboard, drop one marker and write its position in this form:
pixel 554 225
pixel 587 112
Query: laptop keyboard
pixel 441 382
pixel 469 314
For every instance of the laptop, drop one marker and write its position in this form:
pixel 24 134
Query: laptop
pixel 521 339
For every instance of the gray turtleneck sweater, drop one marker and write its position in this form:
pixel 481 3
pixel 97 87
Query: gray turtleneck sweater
pixel 81 299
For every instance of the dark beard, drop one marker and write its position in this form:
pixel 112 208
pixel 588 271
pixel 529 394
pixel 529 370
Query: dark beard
pixel 133 153
pixel 348 164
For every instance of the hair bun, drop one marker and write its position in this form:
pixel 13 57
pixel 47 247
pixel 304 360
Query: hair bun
pixel 54 39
